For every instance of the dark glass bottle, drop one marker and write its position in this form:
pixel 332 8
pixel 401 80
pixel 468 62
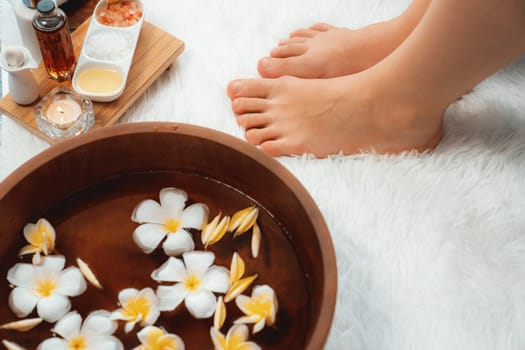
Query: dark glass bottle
pixel 54 39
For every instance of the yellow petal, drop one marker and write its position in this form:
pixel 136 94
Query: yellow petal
pixel 237 268
pixel 238 287
pixel 22 325
pixel 9 345
pixel 220 314
pixel 238 217
pixel 218 339
pixel 88 273
pixel 247 221
pixel 219 232
pixel 209 228
pixel 256 241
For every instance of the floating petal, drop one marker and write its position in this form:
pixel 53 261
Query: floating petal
pixel 171 296
pixel 22 325
pixel 215 230
pixel 197 262
pixel 220 314
pixel 237 268
pixel 208 229
pixel 201 304
pixel 9 345
pixel 148 236
pixel 148 211
pixel 54 343
pixel 194 216
pixel 173 200
pixel 219 231
pixel 53 263
pixel 69 325
pixel 22 275
pixel 243 220
pixel 256 240
pixel 52 308
pixel 178 243
pixel 71 282
pixel 22 301
pixel 154 338
pixel 88 273
pixel 218 339
pixel 216 279
pixel 238 287
pixel 173 270
pixel 99 323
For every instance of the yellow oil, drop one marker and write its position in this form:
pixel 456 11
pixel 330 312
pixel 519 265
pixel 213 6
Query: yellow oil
pixel 99 80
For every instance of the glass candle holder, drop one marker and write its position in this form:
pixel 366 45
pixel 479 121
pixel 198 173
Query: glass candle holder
pixel 63 113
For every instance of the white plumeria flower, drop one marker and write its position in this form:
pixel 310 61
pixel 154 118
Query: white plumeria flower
pixel 46 286
pixel 234 340
pixel 196 279
pixel 137 306
pixel 155 338
pixel 41 239
pixel 260 309
pixel 168 218
pixel 95 333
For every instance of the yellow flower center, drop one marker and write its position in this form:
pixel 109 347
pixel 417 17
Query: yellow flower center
pixel 40 236
pixel 135 307
pixel 156 341
pixel 172 225
pixel 261 308
pixel 77 343
pixel 233 341
pixel 45 288
pixel 192 283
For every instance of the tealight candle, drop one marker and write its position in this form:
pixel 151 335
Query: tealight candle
pixel 63 113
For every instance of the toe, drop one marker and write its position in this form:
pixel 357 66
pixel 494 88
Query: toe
pixel 256 88
pixel 303 33
pixel 289 50
pixel 243 105
pixel 277 67
pixel 256 136
pixel 296 39
pixel 322 27
pixel 273 147
pixel 251 121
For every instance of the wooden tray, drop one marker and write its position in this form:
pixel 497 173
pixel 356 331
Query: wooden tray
pixel 155 52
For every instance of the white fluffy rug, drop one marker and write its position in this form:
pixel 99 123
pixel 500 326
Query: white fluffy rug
pixel 430 248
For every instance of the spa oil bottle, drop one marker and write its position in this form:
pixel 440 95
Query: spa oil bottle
pixel 54 39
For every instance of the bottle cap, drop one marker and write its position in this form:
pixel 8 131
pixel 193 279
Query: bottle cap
pixel 30 3
pixel 45 6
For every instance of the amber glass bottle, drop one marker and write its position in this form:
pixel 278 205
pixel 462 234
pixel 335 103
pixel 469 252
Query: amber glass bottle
pixel 54 39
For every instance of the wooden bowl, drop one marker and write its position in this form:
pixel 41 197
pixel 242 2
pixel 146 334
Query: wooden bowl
pixel 87 187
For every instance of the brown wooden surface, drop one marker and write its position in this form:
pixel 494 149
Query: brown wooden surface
pixel 88 186
pixel 155 52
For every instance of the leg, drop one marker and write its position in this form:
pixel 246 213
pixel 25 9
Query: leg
pixel 397 104
pixel 324 51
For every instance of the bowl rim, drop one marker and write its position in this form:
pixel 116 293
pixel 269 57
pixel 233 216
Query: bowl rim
pixel 322 326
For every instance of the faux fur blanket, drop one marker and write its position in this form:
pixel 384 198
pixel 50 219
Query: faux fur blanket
pixel 430 248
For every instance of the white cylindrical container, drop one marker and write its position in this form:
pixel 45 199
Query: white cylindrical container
pixel 21 83
pixel 24 12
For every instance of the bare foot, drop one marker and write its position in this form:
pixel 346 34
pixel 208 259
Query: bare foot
pixel 292 116
pixel 324 51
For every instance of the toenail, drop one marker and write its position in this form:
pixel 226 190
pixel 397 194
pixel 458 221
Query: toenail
pixel 236 87
pixel 266 62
